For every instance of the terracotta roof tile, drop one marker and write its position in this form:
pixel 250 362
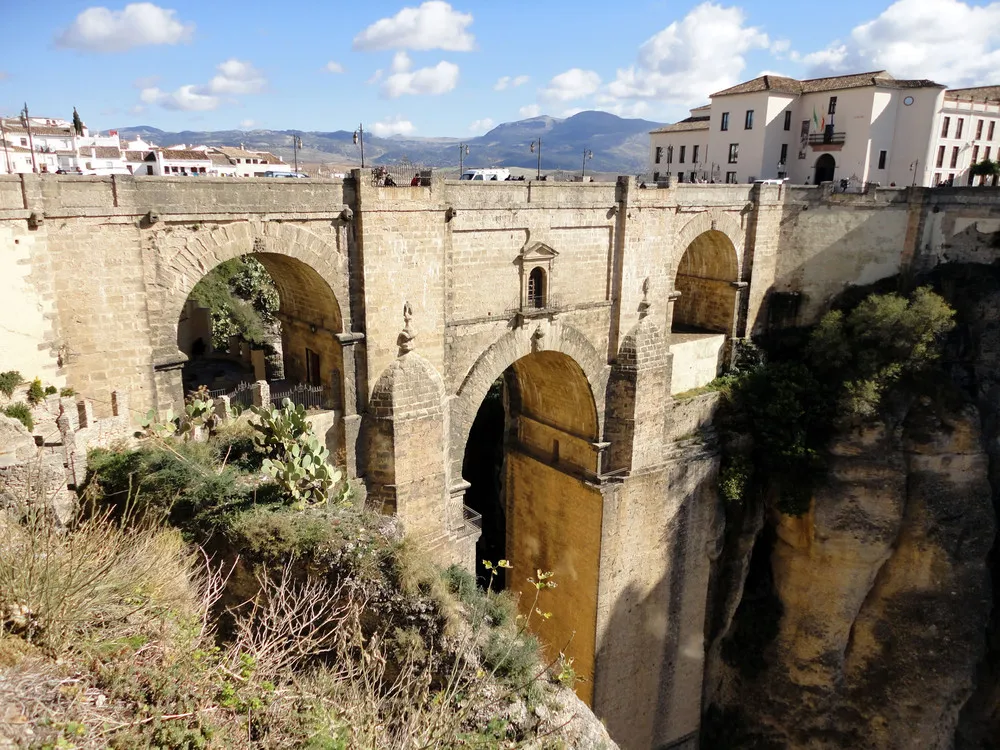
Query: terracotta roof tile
pixel 184 155
pixel 991 93
pixel 107 152
pixel 832 83
pixel 691 123
pixel 136 155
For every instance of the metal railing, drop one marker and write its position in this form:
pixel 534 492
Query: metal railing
pixel 241 396
pixel 308 396
pixel 473 519
pixel 819 139
pixel 399 175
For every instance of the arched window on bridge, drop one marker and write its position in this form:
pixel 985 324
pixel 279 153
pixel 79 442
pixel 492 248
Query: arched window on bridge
pixel 536 288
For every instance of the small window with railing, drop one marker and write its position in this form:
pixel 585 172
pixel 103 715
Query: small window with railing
pixel 536 288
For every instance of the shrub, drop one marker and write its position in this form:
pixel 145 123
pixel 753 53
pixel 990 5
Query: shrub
pixel 296 459
pixel 66 392
pixel 56 587
pixel 233 442
pixel 36 393
pixel 22 412
pixel 9 381
pixel 51 390
pixel 177 481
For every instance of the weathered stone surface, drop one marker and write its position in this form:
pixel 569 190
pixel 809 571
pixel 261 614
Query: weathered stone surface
pixel 885 592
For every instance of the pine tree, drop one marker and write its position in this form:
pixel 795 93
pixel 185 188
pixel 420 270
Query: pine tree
pixel 77 122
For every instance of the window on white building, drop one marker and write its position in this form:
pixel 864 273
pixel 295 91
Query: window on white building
pixel 734 152
pixel 945 124
pixel 788 119
pixel 975 154
pixel 958 127
pixel 881 159
pixel 832 108
pixel 694 154
pixel 784 154
pixel 954 156
pixel 979 130
pixel 725 121
pixel 681 159
pixel 940 157
pixel 659 154
pixel 748 120
pixel 989 135
pixel 731 178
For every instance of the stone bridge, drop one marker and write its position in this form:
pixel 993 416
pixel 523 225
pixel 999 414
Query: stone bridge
pixel 574 311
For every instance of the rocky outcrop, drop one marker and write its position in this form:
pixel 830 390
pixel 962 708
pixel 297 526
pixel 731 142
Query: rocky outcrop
pixel 884 593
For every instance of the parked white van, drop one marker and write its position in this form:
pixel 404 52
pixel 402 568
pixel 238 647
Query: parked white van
pixel 490 175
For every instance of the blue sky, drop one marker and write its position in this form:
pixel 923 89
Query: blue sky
pixel 456 68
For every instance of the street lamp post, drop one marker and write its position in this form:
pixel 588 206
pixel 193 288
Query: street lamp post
pixel 913 168
pixel 463 151
pixel 587 154
pixel 31 141
pixel 359 138
pixel 296 145
pixel 538 173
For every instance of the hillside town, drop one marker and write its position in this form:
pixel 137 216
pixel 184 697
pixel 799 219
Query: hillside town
pixel 50 145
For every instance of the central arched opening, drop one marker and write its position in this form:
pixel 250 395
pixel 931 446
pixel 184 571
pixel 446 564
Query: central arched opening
pixel 531 460
pixel 825 167
pixel 263 317
pixel 704 310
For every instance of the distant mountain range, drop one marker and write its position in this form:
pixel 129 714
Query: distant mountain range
pixel 619 145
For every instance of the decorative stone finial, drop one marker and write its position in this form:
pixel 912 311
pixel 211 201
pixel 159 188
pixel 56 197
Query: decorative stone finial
pixel 407 335
pixel 645 304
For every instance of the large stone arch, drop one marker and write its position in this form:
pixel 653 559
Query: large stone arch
pixel 504 352
pixel 309 272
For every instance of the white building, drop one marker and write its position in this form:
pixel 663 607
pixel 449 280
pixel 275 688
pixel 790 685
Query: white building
pixel 967 132
pixel 55 146
pixel 249 163
pixel 866 127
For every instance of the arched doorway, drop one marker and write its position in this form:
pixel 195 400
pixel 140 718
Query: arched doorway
pixel 825 167
pixel 531 460
pixel 704 312
pixel 284 323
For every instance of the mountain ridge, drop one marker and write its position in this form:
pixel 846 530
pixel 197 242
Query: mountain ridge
pixel 618 144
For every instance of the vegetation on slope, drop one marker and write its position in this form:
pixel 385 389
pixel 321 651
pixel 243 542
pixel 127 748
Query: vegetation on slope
pixel 242 299
pixel 192 605
pixel 855 365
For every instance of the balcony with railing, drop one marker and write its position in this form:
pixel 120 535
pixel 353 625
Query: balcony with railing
pixel 827 138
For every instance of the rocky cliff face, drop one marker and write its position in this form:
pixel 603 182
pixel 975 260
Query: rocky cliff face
pixel 867 622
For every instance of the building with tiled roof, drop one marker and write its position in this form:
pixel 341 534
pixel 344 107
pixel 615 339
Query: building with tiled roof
pixel 55 146
pixel 249 163
pixel 862 127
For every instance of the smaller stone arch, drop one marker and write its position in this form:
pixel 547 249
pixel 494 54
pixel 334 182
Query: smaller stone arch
pixel 714 220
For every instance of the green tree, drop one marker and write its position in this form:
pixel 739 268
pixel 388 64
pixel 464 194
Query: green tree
pixel 77 122
pixel 986 169
pixel 242 299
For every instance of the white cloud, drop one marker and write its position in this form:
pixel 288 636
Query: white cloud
pixel 949 41
pixel 481 126
pixel 440 79
pixel 393 126
pixel 375 77
pixel 100 29
pixel 186 98
pixel 689 59
pixel 575 83
pixel 505 82
pixel 432 25
pixel 530 110
pixel 235 77
pixel 333 67
pixel 247 124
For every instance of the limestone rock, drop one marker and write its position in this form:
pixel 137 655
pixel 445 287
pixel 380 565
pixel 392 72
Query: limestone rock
pixel 885 590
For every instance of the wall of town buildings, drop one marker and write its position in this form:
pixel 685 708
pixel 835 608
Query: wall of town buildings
pixel 97 272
